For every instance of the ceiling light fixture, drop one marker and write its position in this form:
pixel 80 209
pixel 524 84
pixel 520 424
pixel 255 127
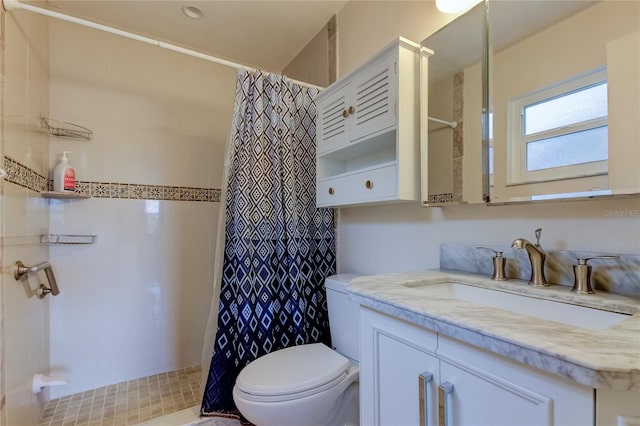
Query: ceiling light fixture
pixel 455 6
pixel 193 12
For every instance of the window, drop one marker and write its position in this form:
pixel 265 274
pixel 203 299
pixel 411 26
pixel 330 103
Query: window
pixel 560 132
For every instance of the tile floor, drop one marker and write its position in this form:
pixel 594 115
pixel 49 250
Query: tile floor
pixel 127 403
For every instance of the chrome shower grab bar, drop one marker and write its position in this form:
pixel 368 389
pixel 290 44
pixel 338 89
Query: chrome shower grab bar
pixel 22 274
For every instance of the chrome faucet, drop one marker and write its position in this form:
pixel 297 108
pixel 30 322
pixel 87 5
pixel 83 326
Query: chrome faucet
pixel 537 257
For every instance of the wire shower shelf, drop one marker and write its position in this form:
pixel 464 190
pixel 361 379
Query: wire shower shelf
pixel 68 239
pixel 66 130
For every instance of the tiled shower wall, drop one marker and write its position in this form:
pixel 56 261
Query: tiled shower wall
pixel 25 98
pixel 135 303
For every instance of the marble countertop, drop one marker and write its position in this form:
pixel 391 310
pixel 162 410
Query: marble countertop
pixel 606 358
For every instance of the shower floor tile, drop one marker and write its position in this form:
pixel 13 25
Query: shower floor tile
pixel 127 403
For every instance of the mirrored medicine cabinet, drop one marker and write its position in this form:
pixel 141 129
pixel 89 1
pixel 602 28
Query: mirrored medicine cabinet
pixel 452 117
pixel 503 86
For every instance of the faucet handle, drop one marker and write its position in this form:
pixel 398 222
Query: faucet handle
pixel 538 234
pixel 582 274
pixel 584 260
pixel 498 264
pixel 495 252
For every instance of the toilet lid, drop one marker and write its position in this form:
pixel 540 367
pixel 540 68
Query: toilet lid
pixel 293 370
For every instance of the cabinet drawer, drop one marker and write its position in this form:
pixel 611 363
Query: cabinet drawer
pixel 380 184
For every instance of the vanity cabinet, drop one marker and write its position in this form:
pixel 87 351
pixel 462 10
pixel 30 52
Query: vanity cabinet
pixel 411 375
pixel 367 141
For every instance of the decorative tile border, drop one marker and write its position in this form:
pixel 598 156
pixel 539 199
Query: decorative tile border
pixel 435 199
pixel 22 175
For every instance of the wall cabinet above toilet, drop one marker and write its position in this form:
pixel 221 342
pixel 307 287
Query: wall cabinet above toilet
pixel 368 138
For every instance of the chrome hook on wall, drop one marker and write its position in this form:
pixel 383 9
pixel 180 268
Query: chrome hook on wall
pixel 22 274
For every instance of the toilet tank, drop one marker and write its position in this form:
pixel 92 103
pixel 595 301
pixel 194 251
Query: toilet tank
pixel 344 316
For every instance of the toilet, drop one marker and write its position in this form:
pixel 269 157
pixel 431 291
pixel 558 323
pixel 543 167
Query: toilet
pixel 311 384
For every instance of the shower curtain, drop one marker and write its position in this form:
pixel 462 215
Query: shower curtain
pixel 278 247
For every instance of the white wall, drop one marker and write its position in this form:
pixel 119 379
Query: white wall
pixel 313 61
pixel 406 237
pixel 136 303
pixel 25 338
pixel 393 238
pixel 364 27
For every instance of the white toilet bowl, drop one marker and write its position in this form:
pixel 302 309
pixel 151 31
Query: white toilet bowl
pixel 301 385
pixel 308 385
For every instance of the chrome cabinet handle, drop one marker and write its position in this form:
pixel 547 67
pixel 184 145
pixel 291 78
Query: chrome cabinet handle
pixel 445 406
pixel 424 398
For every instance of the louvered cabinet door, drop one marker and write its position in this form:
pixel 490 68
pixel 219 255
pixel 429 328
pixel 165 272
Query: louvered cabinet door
pixel 333 131
pixel 373 99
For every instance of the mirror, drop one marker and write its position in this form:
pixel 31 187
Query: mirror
pixel 452 105
pixel 547 58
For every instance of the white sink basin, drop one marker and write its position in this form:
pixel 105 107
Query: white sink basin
pixel 577 316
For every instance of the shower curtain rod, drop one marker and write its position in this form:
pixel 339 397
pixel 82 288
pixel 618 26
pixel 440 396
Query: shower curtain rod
pixel 10 5
pixel 452 124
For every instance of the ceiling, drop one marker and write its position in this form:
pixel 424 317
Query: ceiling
pixel 263 34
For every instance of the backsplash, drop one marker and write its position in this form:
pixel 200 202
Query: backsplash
pixel 619 276
pixel 26 177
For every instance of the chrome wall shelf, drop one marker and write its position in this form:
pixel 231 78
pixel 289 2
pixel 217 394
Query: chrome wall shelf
pixel 68 239
pixel 66 130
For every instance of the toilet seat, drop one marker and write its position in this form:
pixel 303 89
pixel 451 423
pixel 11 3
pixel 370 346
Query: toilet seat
pixel 292 373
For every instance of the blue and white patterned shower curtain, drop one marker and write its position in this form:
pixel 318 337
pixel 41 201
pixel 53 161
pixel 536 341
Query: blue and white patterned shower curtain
pixel 278 246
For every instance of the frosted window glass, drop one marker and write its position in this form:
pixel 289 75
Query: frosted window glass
pixel 575 107
pixel 567 150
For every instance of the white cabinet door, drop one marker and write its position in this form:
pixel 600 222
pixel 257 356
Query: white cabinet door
pixel 393 357
pixel 485 388
pixel 373 99
pixel 333 129
pixel 479 398
pixel 362 107
pixel 491 390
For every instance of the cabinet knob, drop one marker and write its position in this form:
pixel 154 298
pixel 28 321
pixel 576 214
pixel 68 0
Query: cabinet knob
pixel 352 110
pixel 345 113
pixel 368 184
pixel 331 191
